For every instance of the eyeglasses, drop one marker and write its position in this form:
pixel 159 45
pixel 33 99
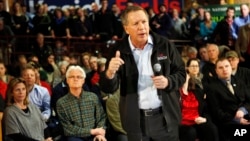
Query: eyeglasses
pixel 75 77
pixel 194 66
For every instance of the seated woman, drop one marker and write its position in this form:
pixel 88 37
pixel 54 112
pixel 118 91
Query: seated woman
pixel 195 120
pixel 23 120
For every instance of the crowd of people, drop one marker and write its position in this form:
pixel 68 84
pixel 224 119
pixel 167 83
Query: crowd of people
pixel 199 93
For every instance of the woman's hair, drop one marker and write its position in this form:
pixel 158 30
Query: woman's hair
pixel 192 81
pixel 12 84
pixel 193 59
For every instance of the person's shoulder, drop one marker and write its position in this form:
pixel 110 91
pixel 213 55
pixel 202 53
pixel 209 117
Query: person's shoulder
pixel 33 107
pixel 158 38
pixel 10 109
pixel 243 69
pixel 63 99
pixel 40 88
pixel 88 94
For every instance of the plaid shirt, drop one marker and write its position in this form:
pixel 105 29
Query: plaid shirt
pixel 79 115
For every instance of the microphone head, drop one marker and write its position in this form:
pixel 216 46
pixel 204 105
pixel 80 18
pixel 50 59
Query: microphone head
pixel 157 68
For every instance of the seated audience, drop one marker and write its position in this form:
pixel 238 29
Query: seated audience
pixel 23 120
pixel 229 102
pixel 208 69
pixel 196 122
pixel 238 72
pixel 80 112
pixel 203 56
pixel 85 61
pixel 62 66
pixel 38 95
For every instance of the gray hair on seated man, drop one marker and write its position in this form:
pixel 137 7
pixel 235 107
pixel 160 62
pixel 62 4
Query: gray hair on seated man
pixel 73 67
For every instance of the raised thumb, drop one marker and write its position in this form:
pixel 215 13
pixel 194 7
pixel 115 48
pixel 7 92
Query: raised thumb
pixel 117 54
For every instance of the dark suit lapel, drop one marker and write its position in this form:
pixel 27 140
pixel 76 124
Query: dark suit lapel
pixel 226 91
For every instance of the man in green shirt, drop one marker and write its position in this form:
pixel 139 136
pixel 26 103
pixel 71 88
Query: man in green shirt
pixel 80 112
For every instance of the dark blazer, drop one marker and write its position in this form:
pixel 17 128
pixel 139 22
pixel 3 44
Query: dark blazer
pixel 243 74
pixel 200 96
pixel 172 67
pixel 222 103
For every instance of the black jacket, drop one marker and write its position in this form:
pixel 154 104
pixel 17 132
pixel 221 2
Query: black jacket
pixel 172 67
pixel 223 104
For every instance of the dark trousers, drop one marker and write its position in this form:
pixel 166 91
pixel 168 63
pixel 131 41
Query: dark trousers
pixel 154 128
pixel 205 132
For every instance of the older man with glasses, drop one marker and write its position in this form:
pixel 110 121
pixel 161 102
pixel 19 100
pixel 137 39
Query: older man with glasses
pixel 80 112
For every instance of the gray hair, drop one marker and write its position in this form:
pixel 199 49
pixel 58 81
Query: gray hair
pixel 129 9
pixel 192 50
pixel 73 67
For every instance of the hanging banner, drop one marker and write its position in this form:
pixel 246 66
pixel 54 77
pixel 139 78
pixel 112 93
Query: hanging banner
pixel 121 3
pixel 218 12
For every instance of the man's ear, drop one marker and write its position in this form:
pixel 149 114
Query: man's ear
pixel 126 29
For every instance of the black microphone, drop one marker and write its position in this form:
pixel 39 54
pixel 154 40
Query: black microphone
pixel 157 69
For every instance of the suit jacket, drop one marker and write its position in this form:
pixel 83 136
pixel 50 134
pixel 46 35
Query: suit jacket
pixel 243 40
pixel 222 103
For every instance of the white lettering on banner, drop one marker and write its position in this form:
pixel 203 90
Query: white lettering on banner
pixel 76 2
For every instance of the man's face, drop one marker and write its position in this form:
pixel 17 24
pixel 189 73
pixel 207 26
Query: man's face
pixel 75 79
pixel 40 39
pixel 244 10
pixel 203 54
pixel 29 76
pixel 223 69
pixel 93 64
pixel 230 13
pixel 137 27
pixel 213 52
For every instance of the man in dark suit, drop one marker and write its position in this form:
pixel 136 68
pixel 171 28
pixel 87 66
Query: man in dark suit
pixel 229 102
pixel 239 72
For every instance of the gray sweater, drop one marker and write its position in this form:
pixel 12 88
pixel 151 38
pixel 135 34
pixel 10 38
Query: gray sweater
pixel 30 124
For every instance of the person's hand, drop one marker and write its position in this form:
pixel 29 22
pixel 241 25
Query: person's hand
pixel 17 26
pixel 114 65
pixel 90 37
pixel 160 82
pixel 157 26
pixel 244 121
pixel 200 120
pixel 99 138
pixel 83 37
pixel 239 114
pixel 48 139
pixel 69 36
pixel 98 131
pixel 115 37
